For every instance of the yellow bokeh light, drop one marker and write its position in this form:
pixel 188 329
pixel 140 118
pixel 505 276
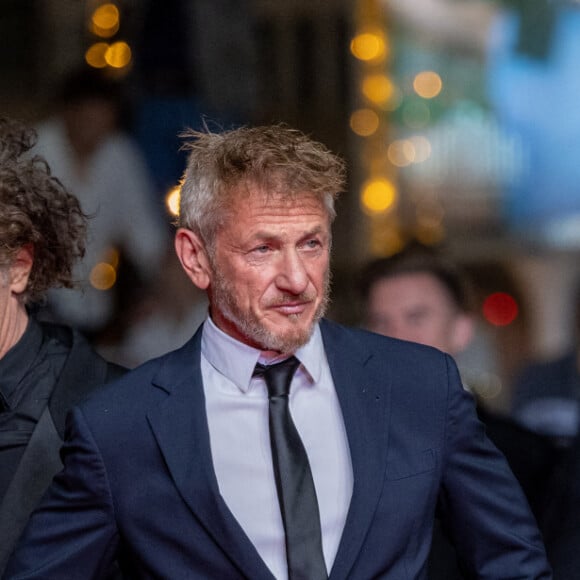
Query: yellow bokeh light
pixel 401 153
pixel 106 16
pixel 364 122
pixel 172 200
pixel 427 84
pixel 103 276
pixel 105 20
pixel 369 46
pixel 95 55
pixel 378 196
pixel 118 55
pixel 378 88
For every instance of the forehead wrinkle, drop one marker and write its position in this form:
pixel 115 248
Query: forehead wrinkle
pixel 279 232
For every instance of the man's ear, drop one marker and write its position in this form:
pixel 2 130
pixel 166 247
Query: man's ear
pixel 463 331
pixel 20 269
pixel 193 257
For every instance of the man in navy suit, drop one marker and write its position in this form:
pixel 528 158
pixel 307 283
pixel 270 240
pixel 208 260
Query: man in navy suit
pixel 171 469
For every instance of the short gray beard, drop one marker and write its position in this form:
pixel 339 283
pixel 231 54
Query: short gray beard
pixel 223 298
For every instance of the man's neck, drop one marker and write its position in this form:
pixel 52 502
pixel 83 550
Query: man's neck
pixel 13 325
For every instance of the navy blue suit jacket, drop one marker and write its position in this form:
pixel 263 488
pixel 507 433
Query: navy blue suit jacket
pixel 138 481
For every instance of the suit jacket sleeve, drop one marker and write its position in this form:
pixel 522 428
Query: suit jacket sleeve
pixel 73 534
pixel 482 506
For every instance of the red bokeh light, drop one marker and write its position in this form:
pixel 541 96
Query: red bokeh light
pixel 500 309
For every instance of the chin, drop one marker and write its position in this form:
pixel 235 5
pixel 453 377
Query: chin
pixel 285 342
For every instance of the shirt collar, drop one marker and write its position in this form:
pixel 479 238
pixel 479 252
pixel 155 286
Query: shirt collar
pixel 236 360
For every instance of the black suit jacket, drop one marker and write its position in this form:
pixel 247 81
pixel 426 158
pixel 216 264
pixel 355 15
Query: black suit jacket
pixel 83 372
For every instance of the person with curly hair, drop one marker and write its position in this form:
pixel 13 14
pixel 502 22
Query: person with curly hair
pixel 44 368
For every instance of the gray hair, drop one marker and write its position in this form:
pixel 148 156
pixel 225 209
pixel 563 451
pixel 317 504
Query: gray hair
pixel 276 159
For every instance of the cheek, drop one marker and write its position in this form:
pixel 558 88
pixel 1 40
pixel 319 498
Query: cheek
pixel 319 281
pixel 259 288
pixel 383 328
pixel 318 273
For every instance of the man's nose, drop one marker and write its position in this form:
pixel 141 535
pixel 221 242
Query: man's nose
pixel 292 276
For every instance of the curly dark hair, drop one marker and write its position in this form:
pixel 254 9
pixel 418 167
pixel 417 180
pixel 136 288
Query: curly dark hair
pixel 36 209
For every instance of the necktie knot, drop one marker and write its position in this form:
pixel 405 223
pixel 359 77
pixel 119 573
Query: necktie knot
pixel 278 376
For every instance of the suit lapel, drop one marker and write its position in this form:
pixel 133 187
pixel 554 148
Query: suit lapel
pixel 181 430
pixel 180 427
pixel 38 465
pixel 365 406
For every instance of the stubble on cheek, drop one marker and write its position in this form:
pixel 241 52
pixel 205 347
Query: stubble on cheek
pixel 258 327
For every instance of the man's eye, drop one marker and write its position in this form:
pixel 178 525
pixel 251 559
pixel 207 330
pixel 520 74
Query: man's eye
pixel 261 249
pixel 417 317
pixel 313 243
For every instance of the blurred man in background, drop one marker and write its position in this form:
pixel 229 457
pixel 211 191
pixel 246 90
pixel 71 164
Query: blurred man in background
pixel 86 146
pixel 420 296
pixel 44 368
pixel 416 295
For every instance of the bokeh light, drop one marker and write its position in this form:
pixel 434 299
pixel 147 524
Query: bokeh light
pixel 118 55
pixel 95 55
pixel 401 152
pixel 500 309
pixel 422 147
pixel 105 20
pixel 172 200
pixel 364 122
pixel 378 88
pixel 378 196
pixel 427 84
pixel 369 46
pixel 103 276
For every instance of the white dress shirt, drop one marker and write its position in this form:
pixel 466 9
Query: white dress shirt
pixel 237 411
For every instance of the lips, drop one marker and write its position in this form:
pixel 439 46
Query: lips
pixel 293 308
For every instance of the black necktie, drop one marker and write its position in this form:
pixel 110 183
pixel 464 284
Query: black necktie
pixel 294 482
